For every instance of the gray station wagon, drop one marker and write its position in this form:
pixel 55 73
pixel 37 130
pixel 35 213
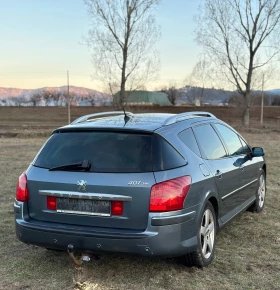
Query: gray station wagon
pixel 142 184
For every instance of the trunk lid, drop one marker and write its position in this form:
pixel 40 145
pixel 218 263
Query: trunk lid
pixel 131 188
pixel 120 166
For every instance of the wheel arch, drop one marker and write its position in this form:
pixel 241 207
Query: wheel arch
pixel 264 168
pixel 215 205
pixel 212 197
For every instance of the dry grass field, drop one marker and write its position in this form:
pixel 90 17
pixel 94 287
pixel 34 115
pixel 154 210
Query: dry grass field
pixel 247 252
pixel 40 121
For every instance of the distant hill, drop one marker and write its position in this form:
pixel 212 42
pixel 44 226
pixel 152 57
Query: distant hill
pixel 51 96
pixel 273 92
pixel 11 92
pixel 80 96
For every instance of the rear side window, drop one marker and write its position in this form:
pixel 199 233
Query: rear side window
pixel 165 156
pixel 231 140
pixel 209 142
pixel 187 137
pixel 110 152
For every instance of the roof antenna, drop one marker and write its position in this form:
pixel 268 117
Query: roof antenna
pixel 126 117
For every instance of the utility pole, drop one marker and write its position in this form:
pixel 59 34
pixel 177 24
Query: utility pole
pixel 262 100
pixel 68 98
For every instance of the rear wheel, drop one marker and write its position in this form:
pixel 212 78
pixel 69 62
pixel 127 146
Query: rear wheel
pixel 258 205
pixel 206 234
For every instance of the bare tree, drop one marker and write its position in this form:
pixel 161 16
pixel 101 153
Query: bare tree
pixel 122 38
pixel 35 99
pixel 56 98
pixel 19 101
pixel 64 98
pixel 195 95
pixel 91 98
pixel 240 36
pixel 48 96
pixel 197 81
pixel 172 93
pixel 276 100
pixel 4 102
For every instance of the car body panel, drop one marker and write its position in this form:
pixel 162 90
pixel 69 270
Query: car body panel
pixel 249 174
pixel 226 176
pixel 40 179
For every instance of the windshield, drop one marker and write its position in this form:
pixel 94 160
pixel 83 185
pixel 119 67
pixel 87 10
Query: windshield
pixel 109 152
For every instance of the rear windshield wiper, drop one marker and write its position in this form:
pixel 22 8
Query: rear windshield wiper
pixel 84 165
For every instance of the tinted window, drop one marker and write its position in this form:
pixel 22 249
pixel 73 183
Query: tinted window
pixel 209 142
pixel 187 137
pixel 165 156
pixel 245 146
pixel 109 151
pixel 231 139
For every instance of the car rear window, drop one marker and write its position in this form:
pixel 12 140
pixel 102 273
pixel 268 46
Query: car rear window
pixel 110 152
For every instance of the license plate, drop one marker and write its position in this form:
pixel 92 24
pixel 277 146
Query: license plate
pixel 83 206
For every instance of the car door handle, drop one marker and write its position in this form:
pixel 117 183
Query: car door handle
pixel 219 174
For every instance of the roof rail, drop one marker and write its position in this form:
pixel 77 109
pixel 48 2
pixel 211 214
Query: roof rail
pixel 183 116
pixel 87 117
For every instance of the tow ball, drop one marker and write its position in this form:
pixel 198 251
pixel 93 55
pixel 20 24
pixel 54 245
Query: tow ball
pixel 84 258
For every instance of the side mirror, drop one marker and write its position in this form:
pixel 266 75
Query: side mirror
pixel 257 152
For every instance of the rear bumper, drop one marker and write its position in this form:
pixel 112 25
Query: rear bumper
pixel 164 237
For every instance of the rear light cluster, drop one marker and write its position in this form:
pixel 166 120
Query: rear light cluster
pixel 116 206
pixel 22 191
pixel 169 195
pixel 51 202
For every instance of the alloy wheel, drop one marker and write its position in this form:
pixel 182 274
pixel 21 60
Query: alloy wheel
pixel 261 191
pixel 207 233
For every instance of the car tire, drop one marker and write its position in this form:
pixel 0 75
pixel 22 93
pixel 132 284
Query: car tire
pixel 258 205
pixel 206 235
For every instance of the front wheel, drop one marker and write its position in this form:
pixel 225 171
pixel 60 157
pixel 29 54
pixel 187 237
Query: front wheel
pixel 206 234
pixel 258 205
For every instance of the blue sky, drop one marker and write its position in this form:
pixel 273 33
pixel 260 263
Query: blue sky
pixel 41 40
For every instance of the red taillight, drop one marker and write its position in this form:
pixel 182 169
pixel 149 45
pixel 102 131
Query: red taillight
pixel 117 208
pixel 170 195
pixel 51 202
pixel 22 191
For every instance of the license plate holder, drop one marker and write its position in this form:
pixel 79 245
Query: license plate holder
pixel 83 206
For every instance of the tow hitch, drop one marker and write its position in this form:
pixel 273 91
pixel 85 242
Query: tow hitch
pixel 84 258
